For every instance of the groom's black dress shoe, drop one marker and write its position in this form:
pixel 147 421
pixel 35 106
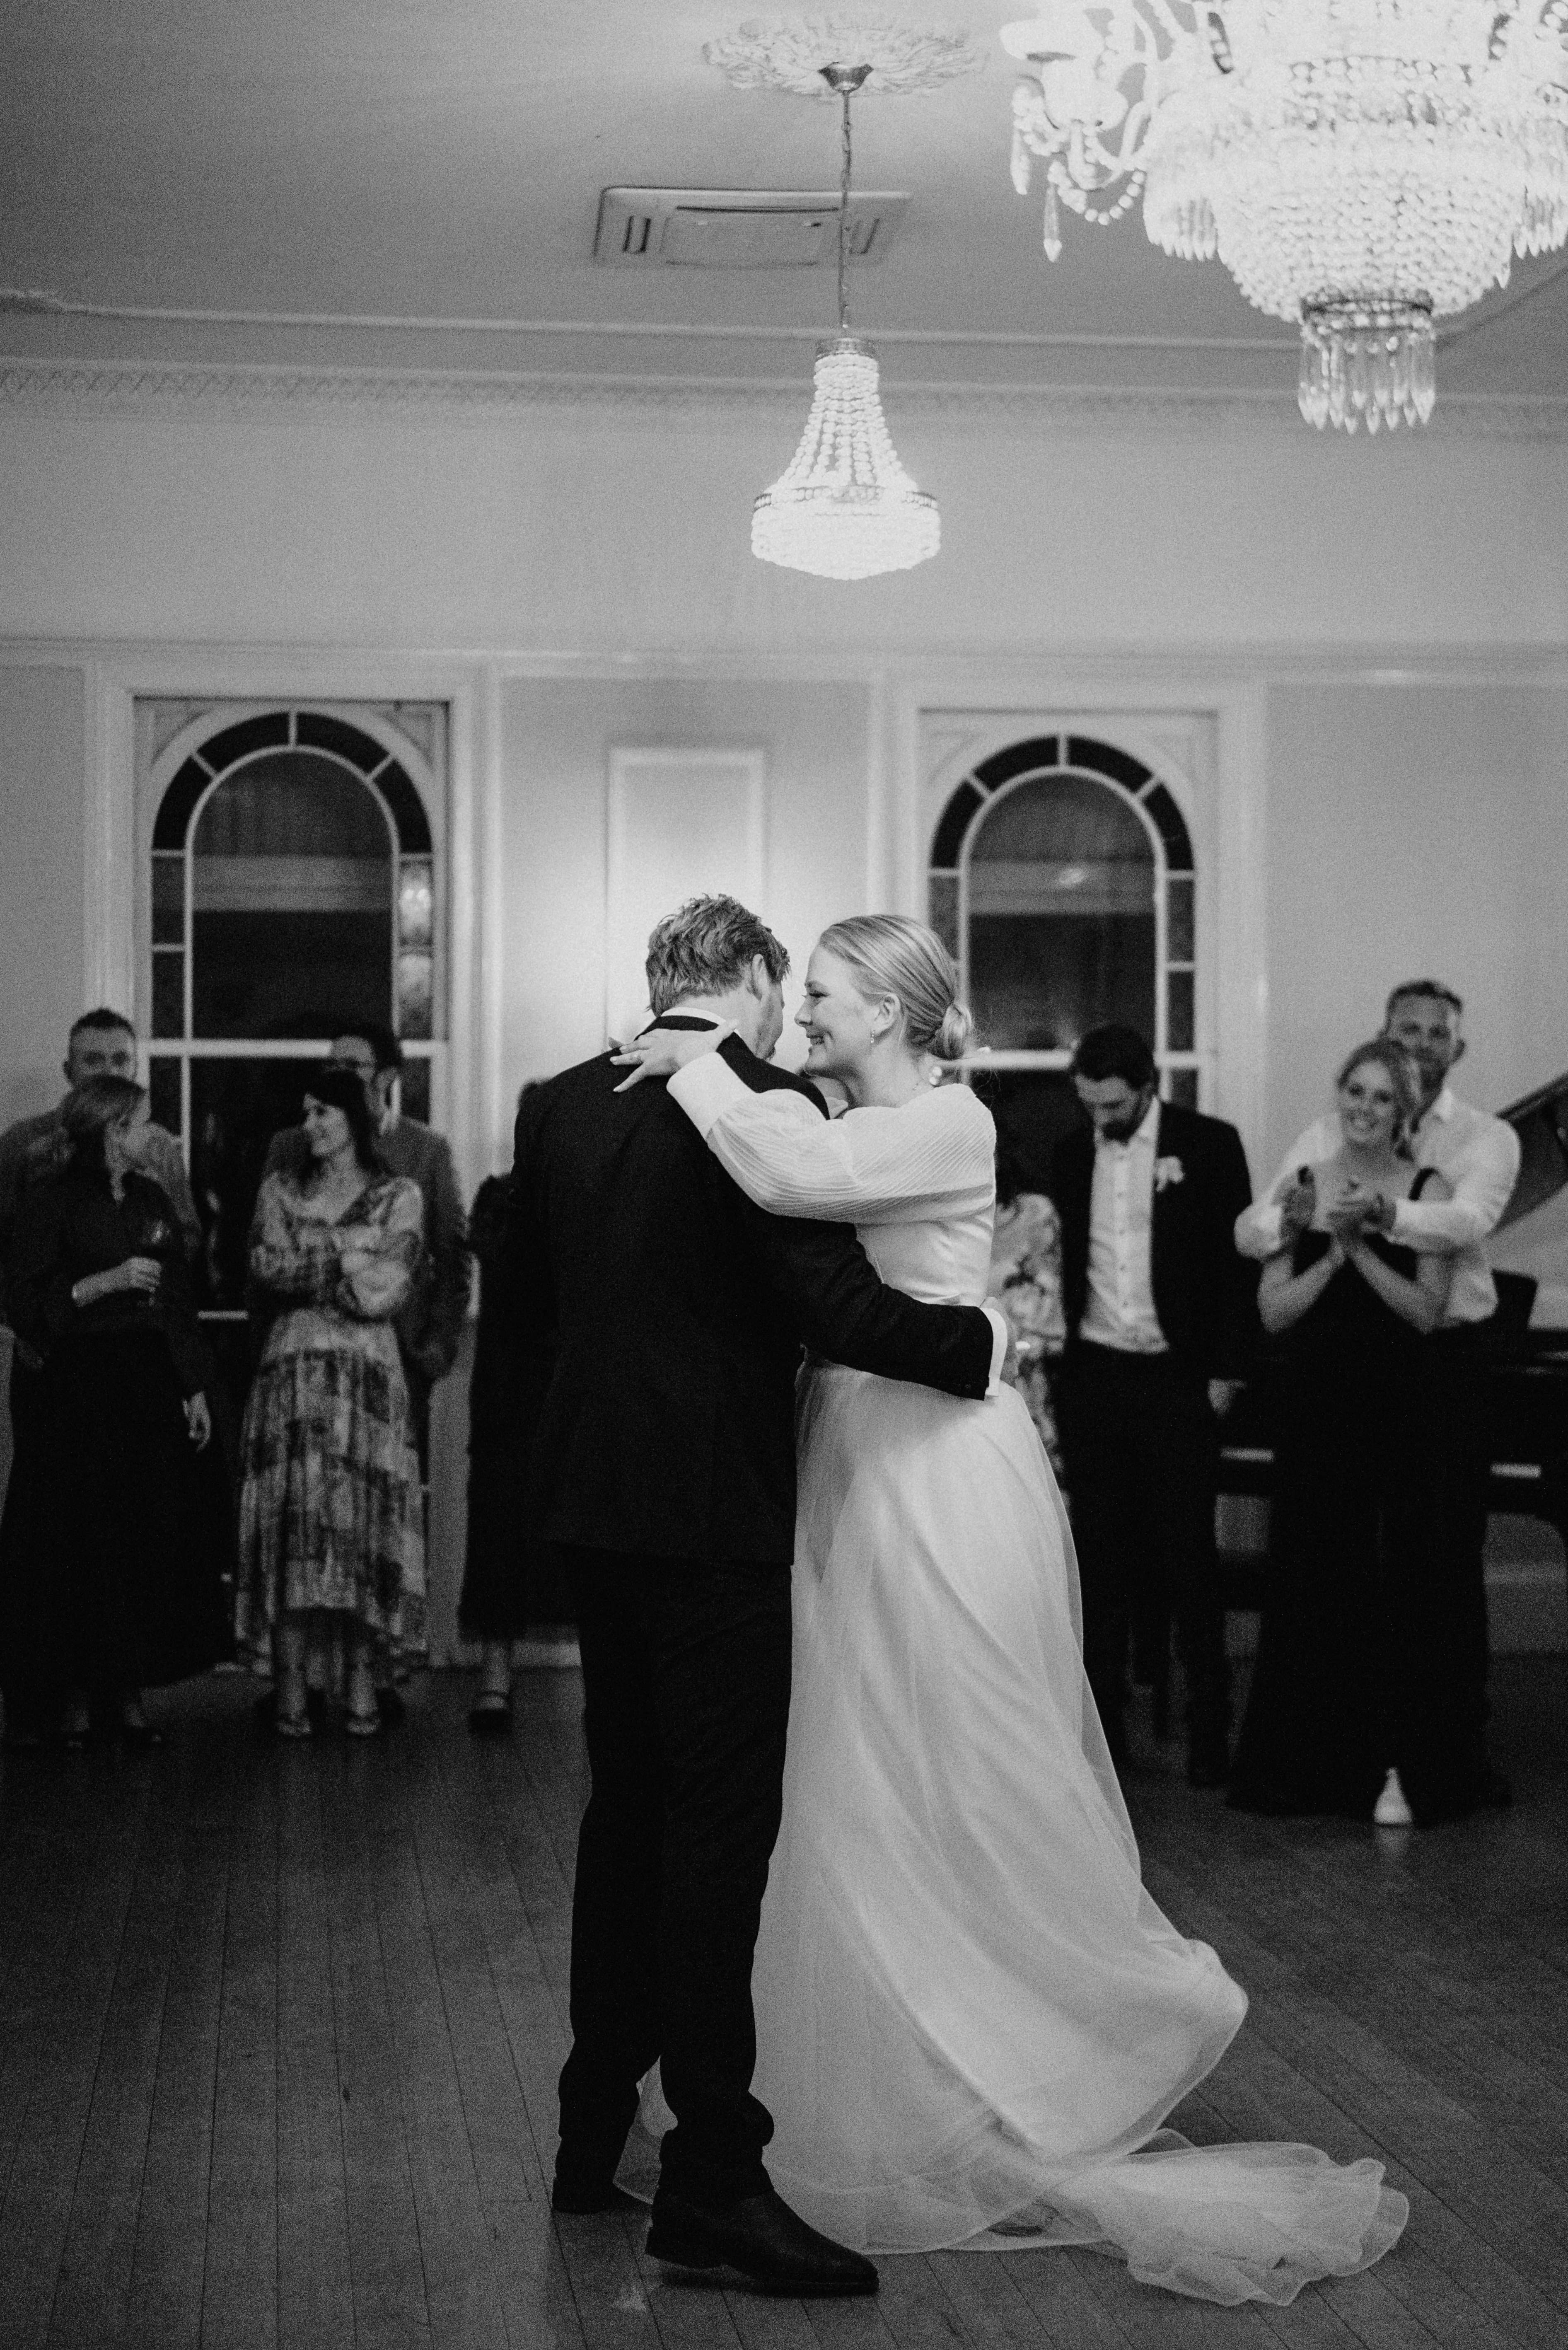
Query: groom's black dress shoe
pixel 584 2179
pixel 763 2238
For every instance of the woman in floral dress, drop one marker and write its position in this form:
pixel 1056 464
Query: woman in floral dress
pixel 331 1529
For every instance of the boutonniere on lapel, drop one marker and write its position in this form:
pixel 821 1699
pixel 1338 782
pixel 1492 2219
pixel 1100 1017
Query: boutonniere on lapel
pixel 1168 1171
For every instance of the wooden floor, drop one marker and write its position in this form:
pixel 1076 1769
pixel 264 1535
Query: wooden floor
pixel 280 2026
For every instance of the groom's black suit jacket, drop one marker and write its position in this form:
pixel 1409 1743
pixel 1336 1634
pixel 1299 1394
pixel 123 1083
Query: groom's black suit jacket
pixel 660 1318
pixel 1205 1293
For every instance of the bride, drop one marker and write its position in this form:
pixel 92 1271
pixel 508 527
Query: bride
pixel 972 2020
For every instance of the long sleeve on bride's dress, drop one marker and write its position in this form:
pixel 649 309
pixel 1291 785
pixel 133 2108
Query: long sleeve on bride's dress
pixel 935 1157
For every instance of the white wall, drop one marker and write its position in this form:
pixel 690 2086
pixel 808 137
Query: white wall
pixel 557 738
pixel 594 527
pixel 42 755
pixel 583 573
pixel 1408 823
pixel 1414 831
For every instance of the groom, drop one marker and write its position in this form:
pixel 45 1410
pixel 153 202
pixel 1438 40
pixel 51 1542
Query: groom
pixel 663 1317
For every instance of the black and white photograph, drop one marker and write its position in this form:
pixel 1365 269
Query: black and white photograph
pixel 783 1175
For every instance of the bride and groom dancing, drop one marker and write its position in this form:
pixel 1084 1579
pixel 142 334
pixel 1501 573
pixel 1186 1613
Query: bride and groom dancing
pixel 967 2019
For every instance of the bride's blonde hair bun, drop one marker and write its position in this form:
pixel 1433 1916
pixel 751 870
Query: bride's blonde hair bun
pixel 953 1037
pixel 891 955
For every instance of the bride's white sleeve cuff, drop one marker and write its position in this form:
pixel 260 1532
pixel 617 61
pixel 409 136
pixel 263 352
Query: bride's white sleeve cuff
pixel 705 1088
pixel 1002 1338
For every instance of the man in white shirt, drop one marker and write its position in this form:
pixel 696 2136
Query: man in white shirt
pixel 1161 1321
pixel 1478 1157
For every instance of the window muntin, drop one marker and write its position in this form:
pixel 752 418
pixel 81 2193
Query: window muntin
pixel 1062 881
pixel 294 889
pixel 1060 902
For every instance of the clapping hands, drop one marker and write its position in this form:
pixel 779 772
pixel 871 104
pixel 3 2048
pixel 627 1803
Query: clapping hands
pixel 1350 1217
pixel 1356 1214
pixel 1298 1206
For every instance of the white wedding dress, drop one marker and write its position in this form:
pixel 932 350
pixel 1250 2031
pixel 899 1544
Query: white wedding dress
pixel 972 2020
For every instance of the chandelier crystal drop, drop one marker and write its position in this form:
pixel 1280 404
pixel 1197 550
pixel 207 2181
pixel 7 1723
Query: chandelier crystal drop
pixel 1361 167
pixel 843 507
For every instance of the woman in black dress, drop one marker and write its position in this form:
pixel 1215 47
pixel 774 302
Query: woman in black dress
pixel 129 1532
pixel 1335 1720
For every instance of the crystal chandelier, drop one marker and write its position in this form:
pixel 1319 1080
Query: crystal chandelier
pixel 843 507
pixel 1361 167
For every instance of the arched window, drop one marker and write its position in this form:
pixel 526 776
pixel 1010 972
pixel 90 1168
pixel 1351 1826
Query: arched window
pixel 292 891
pixel 1061 880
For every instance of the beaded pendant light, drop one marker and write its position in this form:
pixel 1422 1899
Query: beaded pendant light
pixel 843 507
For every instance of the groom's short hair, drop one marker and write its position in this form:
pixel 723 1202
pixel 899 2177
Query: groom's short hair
pixel 705 948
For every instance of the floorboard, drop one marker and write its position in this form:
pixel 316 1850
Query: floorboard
pixel 315 2282
pixel 386 2259
pixel 64 2021
pixel 280 2029
pixel 239 2293
pixel 94 2284
pixel 169 2263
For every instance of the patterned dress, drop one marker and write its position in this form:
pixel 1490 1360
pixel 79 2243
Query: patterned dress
pixel 1026 1284
pixel 330 1513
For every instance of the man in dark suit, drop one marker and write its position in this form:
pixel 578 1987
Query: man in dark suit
pixel 668 1316
pixel 1161 1315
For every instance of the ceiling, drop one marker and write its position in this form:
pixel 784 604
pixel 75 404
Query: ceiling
pixel 415 183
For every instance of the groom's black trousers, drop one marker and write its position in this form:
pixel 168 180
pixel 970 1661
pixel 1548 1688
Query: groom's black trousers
pixel 686 1677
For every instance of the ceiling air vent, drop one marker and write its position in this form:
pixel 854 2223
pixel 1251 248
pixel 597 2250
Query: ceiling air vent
pixel 739 228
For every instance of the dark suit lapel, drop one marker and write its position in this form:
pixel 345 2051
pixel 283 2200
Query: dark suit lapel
pixel 1082 1170
pixel 1073 1205
pixel 1165 1216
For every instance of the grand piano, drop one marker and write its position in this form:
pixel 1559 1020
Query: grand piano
pixel 1527 1399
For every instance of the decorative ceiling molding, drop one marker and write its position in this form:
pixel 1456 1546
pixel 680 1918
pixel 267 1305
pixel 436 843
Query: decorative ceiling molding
pixel 129 387
pixel 903 60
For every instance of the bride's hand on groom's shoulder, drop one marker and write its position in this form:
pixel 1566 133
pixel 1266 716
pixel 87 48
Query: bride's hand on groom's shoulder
pixel 664 1050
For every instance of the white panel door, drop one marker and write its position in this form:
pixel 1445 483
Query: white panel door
pixel 682 824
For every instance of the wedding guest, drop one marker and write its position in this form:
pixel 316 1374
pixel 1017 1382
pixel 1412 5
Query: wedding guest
pixel 1478 1157
pixel 1026 1284
pixel 1160 1326
pixel 331 1527
pixel 430 1324
pixel 1354 1702
pixel 102 1042
pixel 496 1579
pixel 118 1584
